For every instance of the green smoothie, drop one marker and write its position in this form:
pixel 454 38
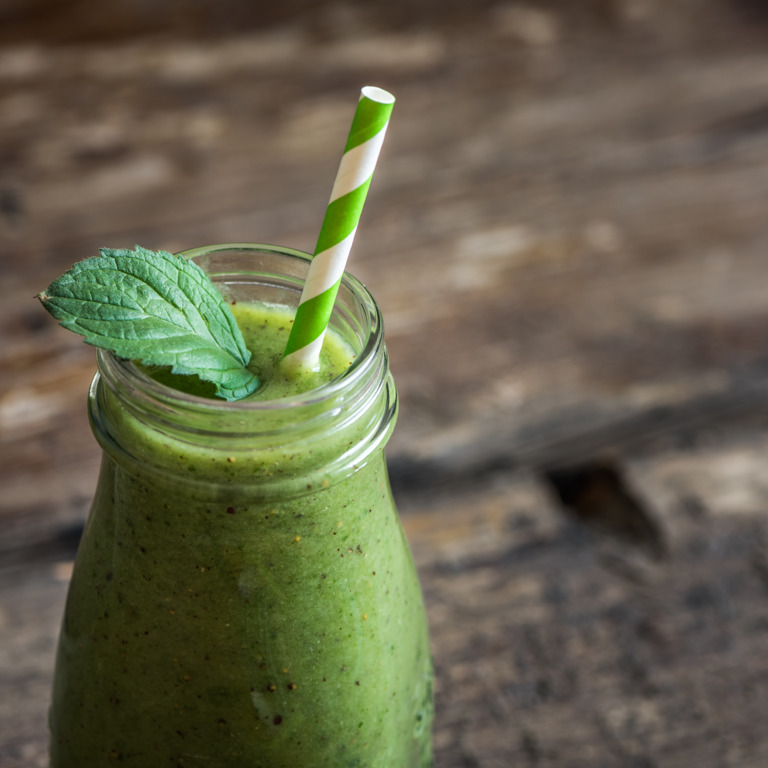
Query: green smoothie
pixel 266 329
pixel 243 596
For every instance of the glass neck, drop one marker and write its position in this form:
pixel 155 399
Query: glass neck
pixel 133 415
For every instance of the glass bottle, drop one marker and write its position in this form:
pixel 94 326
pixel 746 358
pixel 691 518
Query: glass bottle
pixel 243 594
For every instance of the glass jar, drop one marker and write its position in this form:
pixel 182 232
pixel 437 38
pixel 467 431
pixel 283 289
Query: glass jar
pixel 243 595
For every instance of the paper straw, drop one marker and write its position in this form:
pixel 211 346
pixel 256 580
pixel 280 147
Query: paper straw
pixel 366 135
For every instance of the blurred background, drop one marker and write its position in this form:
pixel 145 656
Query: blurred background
pixel 567 234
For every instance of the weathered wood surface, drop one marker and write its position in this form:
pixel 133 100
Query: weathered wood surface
pixel 567 234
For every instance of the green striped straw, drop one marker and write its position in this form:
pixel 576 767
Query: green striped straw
pixel 366 135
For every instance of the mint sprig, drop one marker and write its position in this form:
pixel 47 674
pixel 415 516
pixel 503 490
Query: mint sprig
pixel 158 309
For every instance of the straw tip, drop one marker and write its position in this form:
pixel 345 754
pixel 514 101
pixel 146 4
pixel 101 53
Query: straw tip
pixel 378 94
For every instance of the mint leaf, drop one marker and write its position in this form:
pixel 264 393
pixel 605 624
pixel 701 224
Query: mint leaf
pixel 156 308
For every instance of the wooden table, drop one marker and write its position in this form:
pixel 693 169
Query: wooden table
pixel 567 233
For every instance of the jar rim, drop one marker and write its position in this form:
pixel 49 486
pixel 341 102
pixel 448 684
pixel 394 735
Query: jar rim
pixel 129 375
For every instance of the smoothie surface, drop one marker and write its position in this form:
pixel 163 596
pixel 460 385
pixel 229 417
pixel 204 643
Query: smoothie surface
pixel 265 328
